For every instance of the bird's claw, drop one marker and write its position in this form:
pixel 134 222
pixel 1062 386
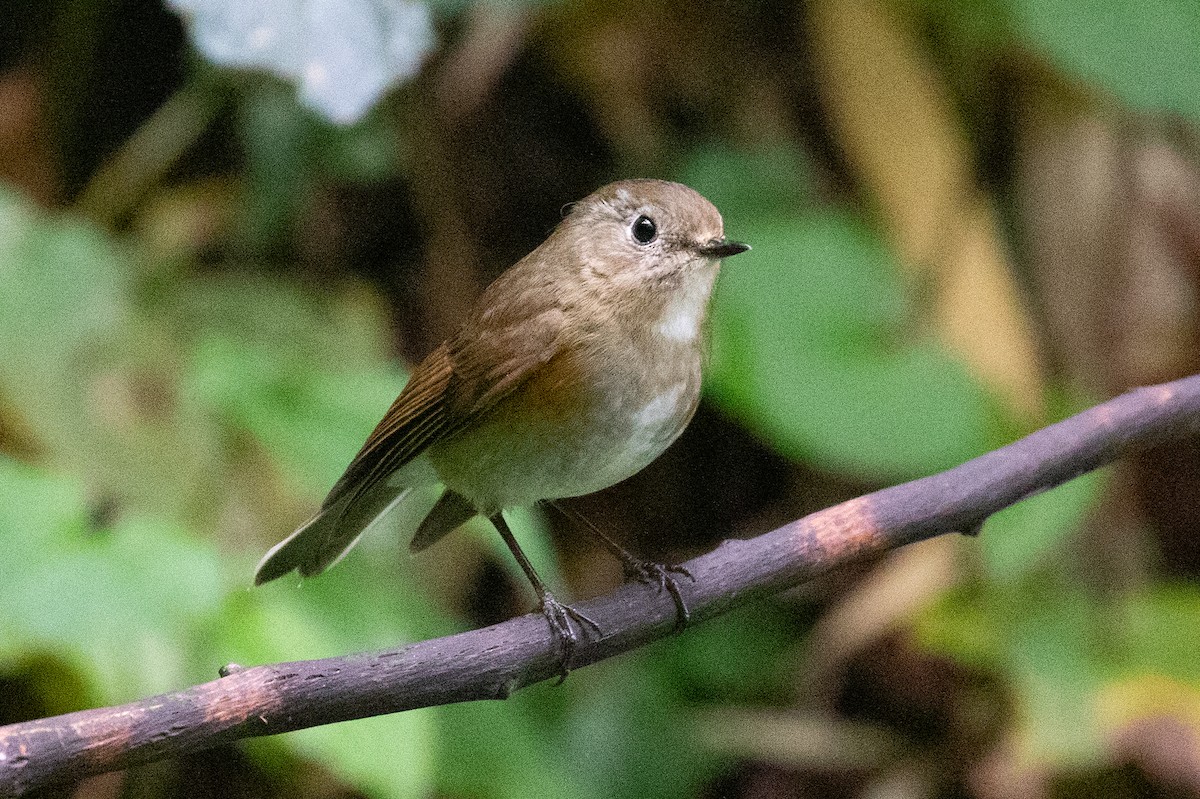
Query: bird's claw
pixel 559 617
pixel 660 576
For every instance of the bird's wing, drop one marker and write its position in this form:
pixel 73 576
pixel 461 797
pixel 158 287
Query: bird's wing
pixel 455 385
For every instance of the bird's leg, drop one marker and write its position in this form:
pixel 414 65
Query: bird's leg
pixel 643 571
pixel 558 615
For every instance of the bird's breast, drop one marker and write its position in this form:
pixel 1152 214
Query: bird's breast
pixel 588 418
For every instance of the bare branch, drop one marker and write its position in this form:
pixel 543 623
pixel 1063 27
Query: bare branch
pixel 492 663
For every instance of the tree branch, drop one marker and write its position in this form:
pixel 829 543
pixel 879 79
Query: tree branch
pixel 493 662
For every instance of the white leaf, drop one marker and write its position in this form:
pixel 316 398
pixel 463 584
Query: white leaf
pixel 344 54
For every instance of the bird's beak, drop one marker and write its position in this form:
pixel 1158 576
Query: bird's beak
pixel 722 248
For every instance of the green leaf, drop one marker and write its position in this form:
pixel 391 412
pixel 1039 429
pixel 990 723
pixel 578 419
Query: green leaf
pixel 118 604
pixel 63 300
pixel 963 626
pixel 1158 625
pixel 1146 52
pixel 311 422
pixel 631 727
pixel 745 657
pixel 37 511
pixel 88 376
pixel 1015 540
pixel 502 751
pixel 628 736
pixel 532 531
pixel 290 150
pixel 811 350
pixel 744 185
pixel 364 153
pixel 62 284
pixel 1057 656
pixel 384 756
pixel 308 377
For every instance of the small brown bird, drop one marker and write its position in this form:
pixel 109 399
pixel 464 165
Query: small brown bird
pixel 574 370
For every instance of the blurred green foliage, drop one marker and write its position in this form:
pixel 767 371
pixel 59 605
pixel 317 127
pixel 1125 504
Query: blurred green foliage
pixel 1143 52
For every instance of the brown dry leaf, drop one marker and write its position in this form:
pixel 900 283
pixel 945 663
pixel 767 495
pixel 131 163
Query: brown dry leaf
pixel 1071 199
pixel 1109 204
pixel 27 150
pixel 900 132
pixel 799 740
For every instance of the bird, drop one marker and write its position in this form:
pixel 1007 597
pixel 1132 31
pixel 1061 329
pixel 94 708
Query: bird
pixel 573 370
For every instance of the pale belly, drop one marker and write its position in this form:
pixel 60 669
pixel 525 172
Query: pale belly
pixel 518 457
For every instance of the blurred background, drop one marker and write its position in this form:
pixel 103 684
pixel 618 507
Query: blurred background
pixel 225 229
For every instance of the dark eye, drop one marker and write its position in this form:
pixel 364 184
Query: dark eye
pixel 644 229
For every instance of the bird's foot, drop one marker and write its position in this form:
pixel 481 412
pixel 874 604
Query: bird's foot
pixel 661 576
pixel 560 618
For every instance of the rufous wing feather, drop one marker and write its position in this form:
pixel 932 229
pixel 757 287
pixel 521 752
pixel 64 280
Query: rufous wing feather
pixel 458 383
pixel 416 419
pixel 455 385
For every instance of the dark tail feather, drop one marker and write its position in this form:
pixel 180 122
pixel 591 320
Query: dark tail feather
pixel 451 512
pixel 325 538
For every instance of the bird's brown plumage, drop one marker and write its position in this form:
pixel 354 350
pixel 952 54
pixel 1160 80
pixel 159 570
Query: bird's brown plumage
pixel 575 368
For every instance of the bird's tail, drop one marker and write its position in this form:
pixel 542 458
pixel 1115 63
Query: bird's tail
pixel 326 537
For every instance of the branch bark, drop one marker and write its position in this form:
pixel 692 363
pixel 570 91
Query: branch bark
pixel 493 662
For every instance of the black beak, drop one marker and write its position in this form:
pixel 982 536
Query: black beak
pixel 722 248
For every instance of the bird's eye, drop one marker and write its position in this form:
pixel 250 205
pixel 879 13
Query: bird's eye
pixel 644 229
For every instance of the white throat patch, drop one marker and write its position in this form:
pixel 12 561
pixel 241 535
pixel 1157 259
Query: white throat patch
pixel 681 317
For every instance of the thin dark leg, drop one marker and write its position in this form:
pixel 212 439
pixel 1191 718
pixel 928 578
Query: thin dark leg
pixel 644 571
pixel 558 615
